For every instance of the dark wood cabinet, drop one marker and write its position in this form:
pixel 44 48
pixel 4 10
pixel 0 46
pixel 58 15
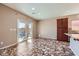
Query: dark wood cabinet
pixel 62 27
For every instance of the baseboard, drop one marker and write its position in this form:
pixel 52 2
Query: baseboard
pixel 46 38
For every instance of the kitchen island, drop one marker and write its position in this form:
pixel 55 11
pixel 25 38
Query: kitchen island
pixel 74 43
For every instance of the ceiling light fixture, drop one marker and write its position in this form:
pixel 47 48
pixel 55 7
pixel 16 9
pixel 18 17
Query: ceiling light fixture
pixel 33 8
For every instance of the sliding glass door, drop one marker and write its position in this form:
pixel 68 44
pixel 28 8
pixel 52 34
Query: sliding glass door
pixel 24 30
pixel 21 34
pixel 30 30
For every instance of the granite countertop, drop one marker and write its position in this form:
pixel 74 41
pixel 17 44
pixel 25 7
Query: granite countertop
pixel 74 35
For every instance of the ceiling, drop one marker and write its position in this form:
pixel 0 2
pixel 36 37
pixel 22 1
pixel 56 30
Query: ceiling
pixel 41 11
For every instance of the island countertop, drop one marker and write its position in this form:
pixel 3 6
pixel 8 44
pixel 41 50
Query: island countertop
pixel 75 36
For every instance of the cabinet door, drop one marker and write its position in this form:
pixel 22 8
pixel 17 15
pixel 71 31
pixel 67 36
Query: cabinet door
pixel 65 37
pixel 59 23
pixel 65 23
pixel 59 34
pixel 62 27
pixel 74 45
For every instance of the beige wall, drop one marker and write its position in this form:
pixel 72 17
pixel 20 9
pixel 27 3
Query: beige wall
pixel 48 28
pixel 34 29
pixel 8 25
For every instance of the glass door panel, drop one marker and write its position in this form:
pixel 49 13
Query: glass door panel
pixel 21 34
pixel 30 30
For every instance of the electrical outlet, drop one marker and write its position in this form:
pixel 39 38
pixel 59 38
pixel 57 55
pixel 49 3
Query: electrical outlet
pixel 2 43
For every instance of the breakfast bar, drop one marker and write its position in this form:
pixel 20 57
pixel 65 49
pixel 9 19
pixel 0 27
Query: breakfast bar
pixel 74 43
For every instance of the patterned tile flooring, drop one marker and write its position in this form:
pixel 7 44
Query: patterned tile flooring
pixel 38 47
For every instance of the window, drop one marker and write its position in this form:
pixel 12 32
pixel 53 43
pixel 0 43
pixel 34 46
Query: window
pixel 75 25
pixel 21 24
pixel 30 25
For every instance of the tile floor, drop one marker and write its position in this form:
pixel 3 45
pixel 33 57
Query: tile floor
pixel 38 47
